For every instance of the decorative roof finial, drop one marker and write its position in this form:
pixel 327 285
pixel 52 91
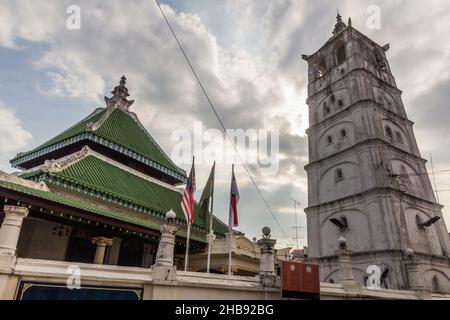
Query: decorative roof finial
pixel 120 94
pixel 121 91
pixel 340 25
pixel 349 21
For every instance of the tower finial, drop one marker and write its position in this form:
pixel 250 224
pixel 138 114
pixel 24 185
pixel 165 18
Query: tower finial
pixel 123 81
pixel 340 25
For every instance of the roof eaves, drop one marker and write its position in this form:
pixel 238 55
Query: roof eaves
pixel 180 175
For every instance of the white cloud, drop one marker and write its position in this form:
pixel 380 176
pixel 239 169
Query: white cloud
pixel 12 136
pixel 27 20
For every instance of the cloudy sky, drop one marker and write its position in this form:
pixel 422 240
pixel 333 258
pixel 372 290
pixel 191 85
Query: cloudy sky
pixel 248 55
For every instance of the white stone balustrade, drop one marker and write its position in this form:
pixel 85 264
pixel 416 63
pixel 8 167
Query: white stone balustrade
pixel 163 269
pixel 267 259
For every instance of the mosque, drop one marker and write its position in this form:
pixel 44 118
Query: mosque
pixel 100 203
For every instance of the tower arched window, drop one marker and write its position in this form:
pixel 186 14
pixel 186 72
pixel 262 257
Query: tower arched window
pixel 340 103
pixel 388 132
pixel 381 64
pixel 418 221
pixel 399 137
pixel 435 285
pixel 321 68
pixel 343 133
pixel 326 109
pixel 341 55
pixel 329 139
pixel 339 175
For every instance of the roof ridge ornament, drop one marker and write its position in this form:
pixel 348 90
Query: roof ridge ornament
pixel 119 98
pixel 340 25
pixel 62 163
pixel 11 178
pixel 121 90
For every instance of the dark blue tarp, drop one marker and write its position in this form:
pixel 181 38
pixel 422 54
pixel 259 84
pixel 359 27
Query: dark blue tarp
pixel 52 291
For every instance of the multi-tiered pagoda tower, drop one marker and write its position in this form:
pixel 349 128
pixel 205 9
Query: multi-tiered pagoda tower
pixel 104 182
pixel 367 181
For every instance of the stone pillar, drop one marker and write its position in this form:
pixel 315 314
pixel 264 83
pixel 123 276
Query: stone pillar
pixel 345 263
pixel 9 234
pixel 267 259
pixel 163 269
pixel 101 243
pixel 414 271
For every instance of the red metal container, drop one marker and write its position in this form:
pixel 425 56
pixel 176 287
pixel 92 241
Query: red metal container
pixel 300 280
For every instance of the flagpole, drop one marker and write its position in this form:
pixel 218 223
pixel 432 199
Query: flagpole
pixel 211 233
pixel 229 251
pixel 186 258
pixel 210 240
pixel 230 230
pixel 188 236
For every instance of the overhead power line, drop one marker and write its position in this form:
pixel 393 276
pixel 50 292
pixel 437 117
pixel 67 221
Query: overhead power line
pixel 434 178
pixel 423 173
pixel 219 119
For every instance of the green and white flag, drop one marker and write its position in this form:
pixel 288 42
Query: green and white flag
pixel 207 195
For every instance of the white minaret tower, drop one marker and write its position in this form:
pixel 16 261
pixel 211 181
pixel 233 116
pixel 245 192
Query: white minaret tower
pixel 367 181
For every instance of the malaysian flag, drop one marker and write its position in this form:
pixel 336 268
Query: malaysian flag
pixel 234 199
pixel 187 203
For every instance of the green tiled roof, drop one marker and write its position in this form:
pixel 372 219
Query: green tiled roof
pixel 102 178
pixel 122 129
pixel 59 199
pixel 73 131
pixel 119 128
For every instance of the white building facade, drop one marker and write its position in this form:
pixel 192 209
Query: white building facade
pixel 367 181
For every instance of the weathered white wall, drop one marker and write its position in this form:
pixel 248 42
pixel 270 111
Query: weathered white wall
pixel 188 285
